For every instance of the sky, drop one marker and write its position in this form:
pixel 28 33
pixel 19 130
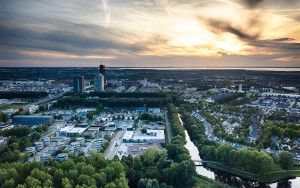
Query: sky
pixel 150 33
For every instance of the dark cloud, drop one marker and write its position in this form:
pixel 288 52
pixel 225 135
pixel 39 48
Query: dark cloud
pixel 282 45
pixel 61 41
pixel 218 26
pixel 252 3
pixel 284 39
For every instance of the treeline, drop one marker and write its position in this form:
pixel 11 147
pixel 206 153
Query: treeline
pixel 19 139
pixel 245 159
pixel 120 95
pixel 177 128
pixel 70 102
pixel 3 117
pixel 22 94
pixel 229 98
pixel 284 116
pixel 150 117
pixel 76 101
pixel 244 99
pixel 252 161
pixel 91 171
pixel 195 129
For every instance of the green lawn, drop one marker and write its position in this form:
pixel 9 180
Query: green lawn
pixel 203 182
pixel 8 106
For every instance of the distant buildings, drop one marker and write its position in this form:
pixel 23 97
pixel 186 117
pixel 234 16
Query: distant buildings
pixel 32 120
pixel 78 84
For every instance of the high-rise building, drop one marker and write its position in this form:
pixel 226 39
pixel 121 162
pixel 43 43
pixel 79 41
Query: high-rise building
pixel 240 88
pixel 102 69
pixel 99 82
pixel 78 83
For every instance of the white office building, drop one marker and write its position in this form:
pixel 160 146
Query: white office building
pixel 99 83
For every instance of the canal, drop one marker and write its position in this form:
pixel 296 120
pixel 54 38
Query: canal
pixel 231 179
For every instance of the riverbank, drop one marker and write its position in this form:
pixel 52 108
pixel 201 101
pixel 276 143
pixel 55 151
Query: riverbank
pixel 204 182
pixel 266 178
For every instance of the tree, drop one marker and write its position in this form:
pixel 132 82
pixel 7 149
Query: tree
pixel 286 160
pixel 66 183
pixel 9 183
pixel 86 180
pixel 100 179
pixel 181 174
pixel 3 117
pixel 32 182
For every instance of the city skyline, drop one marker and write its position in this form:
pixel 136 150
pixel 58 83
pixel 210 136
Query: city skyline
pixel 157 33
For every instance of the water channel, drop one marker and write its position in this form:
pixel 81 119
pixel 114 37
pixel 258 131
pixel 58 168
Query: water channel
pixel 231 179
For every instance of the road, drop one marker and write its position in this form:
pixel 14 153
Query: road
pixel 46 99
pixel 208 127
pixel 112 149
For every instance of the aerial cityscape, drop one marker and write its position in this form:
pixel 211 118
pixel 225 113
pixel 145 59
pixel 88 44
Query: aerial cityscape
pixel 150 94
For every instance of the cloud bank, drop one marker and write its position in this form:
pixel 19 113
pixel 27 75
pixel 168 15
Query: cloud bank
pixel 164 33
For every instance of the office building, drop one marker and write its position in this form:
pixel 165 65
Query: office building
pixel 78 84
pixel 99 83
pixel 100 80
pixel 240 88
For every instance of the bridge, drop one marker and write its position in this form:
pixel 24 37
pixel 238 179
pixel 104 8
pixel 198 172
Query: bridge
pixel 198 162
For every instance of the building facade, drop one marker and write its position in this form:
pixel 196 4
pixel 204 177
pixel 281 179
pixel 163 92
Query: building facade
pixel 32 120
pixel 99 83
pixel 78 84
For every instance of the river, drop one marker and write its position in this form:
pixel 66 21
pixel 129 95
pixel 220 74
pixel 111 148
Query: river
pixel 228 178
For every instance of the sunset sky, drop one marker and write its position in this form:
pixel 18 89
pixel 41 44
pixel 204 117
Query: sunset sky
pixel 146 33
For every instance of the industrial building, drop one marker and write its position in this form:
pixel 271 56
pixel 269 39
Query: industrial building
pixel 72 131
pixel 32 120
pixel 152 136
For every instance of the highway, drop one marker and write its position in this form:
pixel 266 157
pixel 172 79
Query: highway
pixel 112 149
pixel 46 99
